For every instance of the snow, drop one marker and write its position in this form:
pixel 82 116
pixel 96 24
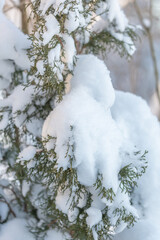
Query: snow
pixel 18 100
pixel 144 229
pixel 3 211
pixel 35 126
pixel 84 22
pixel 85 98
pixel 56 235
pixel 128 43
pixel 25 188
pixel 40 67
pixel 13 45
pixel 72 214
pixel 52 28
pixel 26 154
pixel 72 22
pixel 15 230
pixel 116 13
pixel 44 5
pixel 4 121
pixel 4 82
pixel 94 134
pixel 35 191
pixel 75 18
pixel 62 54
pixel 98 202
pixel 54 59
pixel 120 127
pixel 99 25
pixel 121 200
pixel 107 14
pixel 12 42
pixel 54 55
pixel 99 85
pixel 99 126
pixel 70 50
pixel 63 203
pixel 142 129
pixel 94 216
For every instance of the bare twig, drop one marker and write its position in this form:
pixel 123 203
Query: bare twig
pixel 23 10
pixel 151 45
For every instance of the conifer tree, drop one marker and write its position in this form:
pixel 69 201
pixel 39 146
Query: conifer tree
pixel 74 172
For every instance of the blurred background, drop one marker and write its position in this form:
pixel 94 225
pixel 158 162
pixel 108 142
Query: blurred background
pixel 140 74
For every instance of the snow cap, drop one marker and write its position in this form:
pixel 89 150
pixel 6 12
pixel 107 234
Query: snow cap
pixel 92 73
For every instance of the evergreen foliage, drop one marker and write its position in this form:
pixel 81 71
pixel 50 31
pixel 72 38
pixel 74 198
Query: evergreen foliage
pixel 55 181
pixel 53 56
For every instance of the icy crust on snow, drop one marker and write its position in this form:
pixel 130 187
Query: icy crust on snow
pixel 13 45
pixel 83 120
pixel 142 129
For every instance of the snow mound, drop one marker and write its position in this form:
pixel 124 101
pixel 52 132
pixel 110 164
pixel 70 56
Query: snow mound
pixel 83 122
pixel 103 133
pixel 96 134
pixel 141 128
